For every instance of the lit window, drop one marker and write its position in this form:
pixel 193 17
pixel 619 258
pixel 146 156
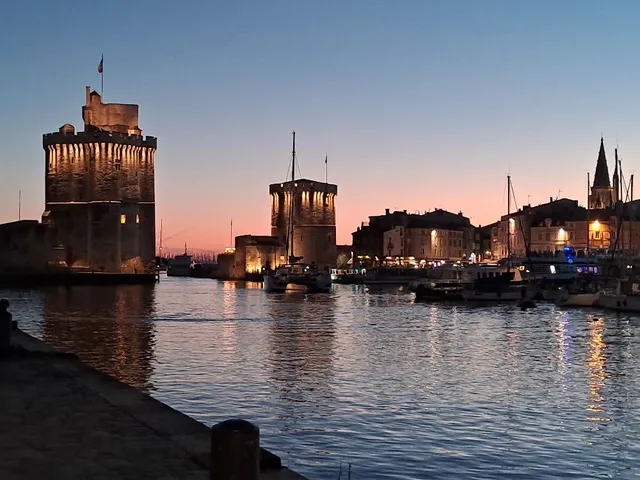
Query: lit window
pixel 137 218
pixel 118 164
pixel 123 219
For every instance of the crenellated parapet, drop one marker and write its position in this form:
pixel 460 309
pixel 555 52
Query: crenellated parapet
pixel 314 202
pixel 99 166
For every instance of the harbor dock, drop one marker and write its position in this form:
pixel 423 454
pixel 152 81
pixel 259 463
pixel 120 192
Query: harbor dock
pixel 63 419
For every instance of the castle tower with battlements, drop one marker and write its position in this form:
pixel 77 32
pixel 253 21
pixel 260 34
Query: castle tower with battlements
pixel 99 189
pixel 314 219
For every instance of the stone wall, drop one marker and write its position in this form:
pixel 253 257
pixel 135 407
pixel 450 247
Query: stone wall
pixel 99 190
pixel 314 218
pixel 110 117
pixel 24 247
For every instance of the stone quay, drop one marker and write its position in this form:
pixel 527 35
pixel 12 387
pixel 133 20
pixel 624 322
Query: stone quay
pixel 63 419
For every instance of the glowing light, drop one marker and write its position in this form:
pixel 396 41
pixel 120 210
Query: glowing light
pixel 433 233
pixel 123 219
pixel 561 234
pixel 595 226
pixel 137 218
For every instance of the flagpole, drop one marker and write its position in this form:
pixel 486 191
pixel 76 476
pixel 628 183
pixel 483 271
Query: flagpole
pixel 102 79
pixel 325 168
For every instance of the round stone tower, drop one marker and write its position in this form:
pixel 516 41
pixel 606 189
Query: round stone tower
pixel 314 219
pixel 99 189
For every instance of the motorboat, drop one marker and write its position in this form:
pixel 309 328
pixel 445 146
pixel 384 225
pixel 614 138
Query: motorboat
pixel 313 280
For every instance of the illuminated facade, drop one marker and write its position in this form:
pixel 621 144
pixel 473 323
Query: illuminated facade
pixel 430 235
pixel 99 189
pixel 255 252
pixel 428 243
pixel 314 219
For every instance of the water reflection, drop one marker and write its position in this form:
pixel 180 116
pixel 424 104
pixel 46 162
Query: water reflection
pixel 596 366
pixel 108 327
pixel 302 349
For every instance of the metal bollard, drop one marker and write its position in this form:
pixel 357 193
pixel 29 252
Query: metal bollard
pixel 235 451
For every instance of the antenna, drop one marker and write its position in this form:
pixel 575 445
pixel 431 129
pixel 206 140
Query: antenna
pixel 19 204
pixel 231 235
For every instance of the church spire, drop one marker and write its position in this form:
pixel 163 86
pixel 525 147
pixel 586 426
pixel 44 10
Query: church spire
pixel 601 178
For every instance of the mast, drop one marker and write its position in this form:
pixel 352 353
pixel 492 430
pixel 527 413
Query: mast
pixel 588 212
pixel 160 238
pixel 293 201
pixel 509 220
pixel 631 209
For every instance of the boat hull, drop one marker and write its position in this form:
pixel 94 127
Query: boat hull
pixel 578 300
pixel 319 282
pixel 506 296
pixel 425 293
pixel 620 303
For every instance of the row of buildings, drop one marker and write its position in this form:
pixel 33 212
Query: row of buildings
pixel 99 214
pixel 609 220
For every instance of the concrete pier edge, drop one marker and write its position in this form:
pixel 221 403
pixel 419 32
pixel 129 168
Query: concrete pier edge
pixel 184 432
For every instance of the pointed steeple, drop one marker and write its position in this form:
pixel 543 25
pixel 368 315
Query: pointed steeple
pixel 601 178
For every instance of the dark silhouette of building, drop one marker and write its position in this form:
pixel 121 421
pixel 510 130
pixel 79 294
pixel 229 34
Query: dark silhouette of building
pixel 603 194
pixel 314 218
pixel 99 189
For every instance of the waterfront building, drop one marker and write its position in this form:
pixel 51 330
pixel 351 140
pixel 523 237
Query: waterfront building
pixel 437 235
pixel 252 253
pixel 99 189
pixel 549 227
pixel 314 219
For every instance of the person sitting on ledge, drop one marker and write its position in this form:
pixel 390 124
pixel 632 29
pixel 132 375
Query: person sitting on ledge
pixel 6 325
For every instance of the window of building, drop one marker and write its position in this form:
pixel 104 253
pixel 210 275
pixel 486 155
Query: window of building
pixel 548 236
pixel 422 252
pixel 607 235
pixel 596 235
pixel 539 236
pixel 123 219
pixel 118 165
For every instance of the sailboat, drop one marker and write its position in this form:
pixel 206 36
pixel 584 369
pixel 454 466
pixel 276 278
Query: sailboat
pixel 501 286
pixel 305 275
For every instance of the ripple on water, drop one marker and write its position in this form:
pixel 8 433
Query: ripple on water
pixel 365 379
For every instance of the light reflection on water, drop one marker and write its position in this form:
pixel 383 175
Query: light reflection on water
pixel 367 377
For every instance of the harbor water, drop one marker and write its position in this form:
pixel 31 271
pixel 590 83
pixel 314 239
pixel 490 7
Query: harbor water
pixel 363 383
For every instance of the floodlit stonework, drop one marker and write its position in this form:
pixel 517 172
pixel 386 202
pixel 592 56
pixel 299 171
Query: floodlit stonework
pixel 99 189
pixel 314 218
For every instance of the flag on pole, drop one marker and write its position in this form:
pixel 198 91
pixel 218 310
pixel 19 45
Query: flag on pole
pixel 101 64
pixel 325 158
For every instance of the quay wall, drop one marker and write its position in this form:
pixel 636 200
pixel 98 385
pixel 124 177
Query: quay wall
pixel 186 435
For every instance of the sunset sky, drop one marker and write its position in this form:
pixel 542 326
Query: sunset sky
pixel 418 104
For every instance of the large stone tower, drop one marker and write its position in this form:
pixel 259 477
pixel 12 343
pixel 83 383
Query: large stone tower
pixel 99 189
pixel 603 194
pixel 314 219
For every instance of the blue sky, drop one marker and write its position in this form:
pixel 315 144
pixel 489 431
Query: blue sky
pixel 418 104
